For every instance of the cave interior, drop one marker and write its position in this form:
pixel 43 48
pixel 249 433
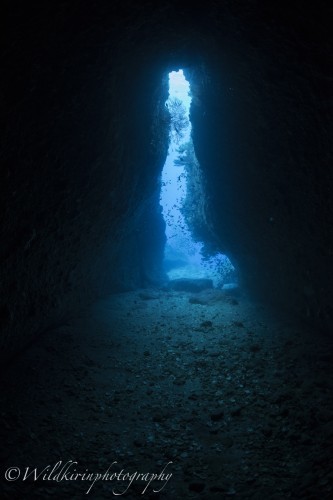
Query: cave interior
pixel 222 388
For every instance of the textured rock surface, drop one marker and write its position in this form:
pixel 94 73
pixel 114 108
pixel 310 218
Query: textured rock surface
pixel 85 136
pixel 261 116
pixel 239 401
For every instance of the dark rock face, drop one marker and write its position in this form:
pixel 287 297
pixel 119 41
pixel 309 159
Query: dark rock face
pixel 261 122
pixel 85 138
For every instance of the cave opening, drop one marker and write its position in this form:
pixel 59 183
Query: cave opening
pixel 112 376
pixel 185 256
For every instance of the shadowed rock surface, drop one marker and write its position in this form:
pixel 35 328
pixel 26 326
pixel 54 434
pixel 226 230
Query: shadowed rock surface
pixel 83 142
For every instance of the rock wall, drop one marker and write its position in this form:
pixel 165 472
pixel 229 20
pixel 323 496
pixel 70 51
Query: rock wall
pixel 85 137
pixel 262 124
pixel 85 133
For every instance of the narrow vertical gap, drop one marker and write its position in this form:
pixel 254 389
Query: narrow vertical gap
pixel 184 256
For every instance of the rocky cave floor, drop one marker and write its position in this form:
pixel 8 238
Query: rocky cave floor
pixel 233 401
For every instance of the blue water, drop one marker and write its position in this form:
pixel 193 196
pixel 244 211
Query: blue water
pixel 183 255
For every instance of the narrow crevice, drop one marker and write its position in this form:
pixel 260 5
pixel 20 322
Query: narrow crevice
pixel 183 199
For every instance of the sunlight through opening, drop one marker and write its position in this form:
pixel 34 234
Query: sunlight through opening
pixel 183 256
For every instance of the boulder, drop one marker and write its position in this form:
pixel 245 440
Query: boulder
pixel 190 285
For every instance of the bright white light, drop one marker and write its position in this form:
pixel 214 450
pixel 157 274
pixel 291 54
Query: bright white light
pixel 179 87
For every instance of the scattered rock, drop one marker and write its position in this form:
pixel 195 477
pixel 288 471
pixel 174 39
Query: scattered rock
pixel 208 297
pixel 148 296
pixel 189 394
pixel 235 412
pixel 219 488
pixel 179 381
pixel 138 443
pixel 231 289
pixel 206 324
pixel 197 300
pixel 197 487
pixel 267 431
pixel 255 348
pixel 215 417
pixel 230 286
pixel 190 285
pixel 239 324
pixel 226 441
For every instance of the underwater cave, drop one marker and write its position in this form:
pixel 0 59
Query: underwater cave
pixel 166 252
pixel 182 198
